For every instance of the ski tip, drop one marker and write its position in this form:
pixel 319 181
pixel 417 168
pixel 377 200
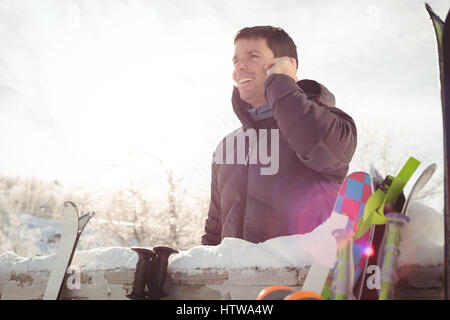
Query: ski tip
pixel 432 13
pixel 89 214
pixel 142 250
pixel 374 172
pixel 69 204
pixel 303 295
pixel 165 249
pixel 276 292
pixel 431 168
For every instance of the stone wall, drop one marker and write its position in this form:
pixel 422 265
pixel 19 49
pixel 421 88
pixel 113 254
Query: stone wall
pixel 420 283
pixel 189 284
pixel 415 282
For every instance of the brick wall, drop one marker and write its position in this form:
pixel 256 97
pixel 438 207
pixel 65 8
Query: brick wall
pixel 415 282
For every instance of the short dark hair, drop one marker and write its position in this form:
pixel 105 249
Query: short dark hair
pixel 277 40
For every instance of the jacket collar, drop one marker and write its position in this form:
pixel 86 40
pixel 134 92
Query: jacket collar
pixel 313 89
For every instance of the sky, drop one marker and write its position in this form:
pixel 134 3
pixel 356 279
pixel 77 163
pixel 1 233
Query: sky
pixel 101 92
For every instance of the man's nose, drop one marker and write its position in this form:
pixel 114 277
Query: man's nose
pixel 239 66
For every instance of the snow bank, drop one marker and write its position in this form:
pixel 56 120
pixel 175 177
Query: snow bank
pixel 106 258
pixel 9 261
pixel 423 237
pixel 289 251
pixel 422 244
pixel 96 259
pixel 292 251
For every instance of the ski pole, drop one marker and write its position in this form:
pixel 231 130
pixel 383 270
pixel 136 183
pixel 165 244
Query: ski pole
pixel 343 277
pixel 158 276
pixel 144 258
pixel 394 223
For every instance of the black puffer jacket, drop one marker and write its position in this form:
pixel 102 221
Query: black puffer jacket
pixel 316 144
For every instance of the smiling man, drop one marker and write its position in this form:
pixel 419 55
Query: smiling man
pixel 314 140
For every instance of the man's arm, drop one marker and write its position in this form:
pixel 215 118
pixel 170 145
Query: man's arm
pixel 212 225
pixel 324 138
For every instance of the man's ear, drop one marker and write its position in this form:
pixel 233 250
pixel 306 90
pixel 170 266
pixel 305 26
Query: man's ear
pixel 295 63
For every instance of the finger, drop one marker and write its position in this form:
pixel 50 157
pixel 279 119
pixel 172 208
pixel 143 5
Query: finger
pixel 270 65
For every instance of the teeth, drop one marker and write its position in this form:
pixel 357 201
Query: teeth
pixel 243 80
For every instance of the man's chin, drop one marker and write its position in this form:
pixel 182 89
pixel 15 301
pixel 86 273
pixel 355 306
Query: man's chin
pixel 245 95
pixel 246 100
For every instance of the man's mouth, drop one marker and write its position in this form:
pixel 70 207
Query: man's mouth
pixel 245 80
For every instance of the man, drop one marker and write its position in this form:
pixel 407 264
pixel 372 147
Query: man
pixel 311 139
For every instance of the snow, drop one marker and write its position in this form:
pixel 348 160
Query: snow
pixel 423 237
pixel 106 258
pixel 96 259
pixel 37 236
pixel 422 244
pixel 232 253
pixel 292 251
pixel 10 261
pixel 28 235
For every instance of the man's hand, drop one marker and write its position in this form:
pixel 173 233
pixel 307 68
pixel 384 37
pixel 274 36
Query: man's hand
pixel 284 65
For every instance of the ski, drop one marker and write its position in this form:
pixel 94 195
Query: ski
pixel 446 105
pixel 425 176
pixel 395 221
pixel 351 202
pixel 374 238
pixel 442 32
pixel 71 230
pixel 373 225
pixel 348 209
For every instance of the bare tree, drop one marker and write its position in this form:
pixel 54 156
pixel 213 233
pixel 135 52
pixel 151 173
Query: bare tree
pixel 388 150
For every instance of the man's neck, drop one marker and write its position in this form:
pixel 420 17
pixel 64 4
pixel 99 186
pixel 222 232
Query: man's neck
pixel 259 105
pixel 261 102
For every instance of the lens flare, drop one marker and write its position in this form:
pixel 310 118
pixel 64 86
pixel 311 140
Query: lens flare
pixel 369 251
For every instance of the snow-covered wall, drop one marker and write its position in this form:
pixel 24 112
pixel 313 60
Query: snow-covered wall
pixel 108 273
pixel 26 278
pixel 236 269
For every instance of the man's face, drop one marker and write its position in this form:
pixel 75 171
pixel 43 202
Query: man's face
pixel 250 59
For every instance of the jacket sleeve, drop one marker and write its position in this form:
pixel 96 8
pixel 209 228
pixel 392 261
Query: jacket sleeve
pixel 213 228
pixel 323 137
